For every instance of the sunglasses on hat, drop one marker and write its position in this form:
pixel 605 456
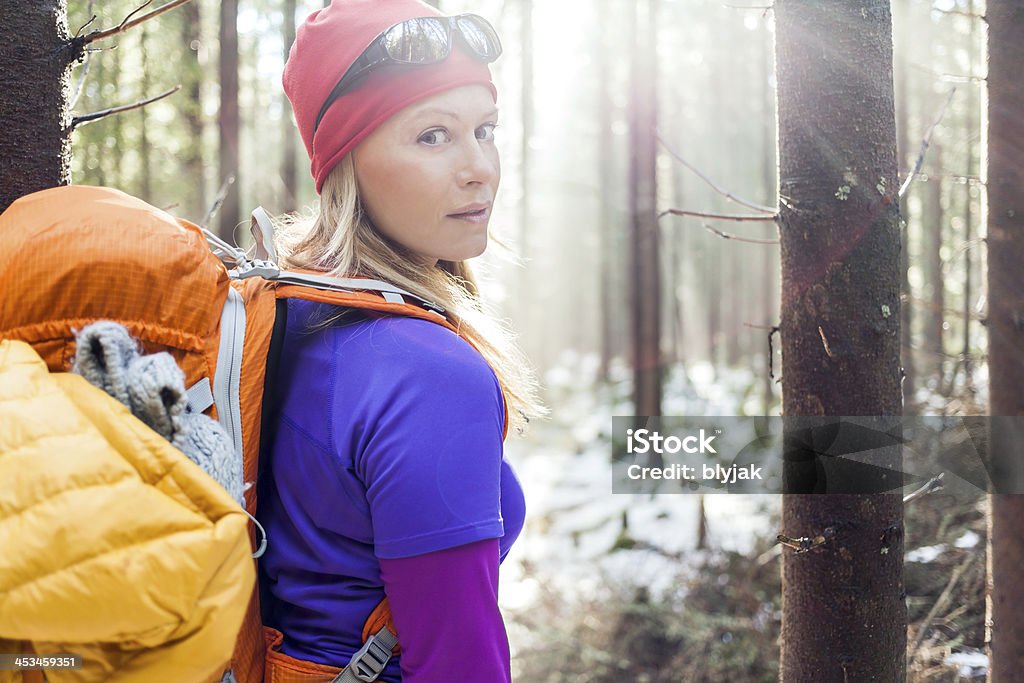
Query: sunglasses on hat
pixel 423 40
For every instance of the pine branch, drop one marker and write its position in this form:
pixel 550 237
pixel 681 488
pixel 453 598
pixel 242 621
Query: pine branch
pixel 95 116
pixel 128 22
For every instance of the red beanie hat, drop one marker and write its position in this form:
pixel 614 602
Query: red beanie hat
pixel 328 42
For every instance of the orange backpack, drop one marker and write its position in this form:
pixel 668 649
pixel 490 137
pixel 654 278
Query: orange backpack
pixel 76 254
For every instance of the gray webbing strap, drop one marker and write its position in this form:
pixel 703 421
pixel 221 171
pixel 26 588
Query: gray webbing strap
pixel 200 396
pixel 368 663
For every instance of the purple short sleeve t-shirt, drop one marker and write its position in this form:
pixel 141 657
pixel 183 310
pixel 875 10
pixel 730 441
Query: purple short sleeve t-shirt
pixel 386 443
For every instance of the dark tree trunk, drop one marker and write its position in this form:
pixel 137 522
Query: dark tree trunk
pixel 645 285
pixel 289 134
pixel 35 58
pixel 1006 329
pixel 228 119
pixel 844 610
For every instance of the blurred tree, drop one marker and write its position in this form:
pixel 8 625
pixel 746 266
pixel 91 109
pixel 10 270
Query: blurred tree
pixel 769 166
pixel 932 224
pixel 194 202
pixel 969 214
pixel 526 86
pixel 606 224
pixel 645 281
pixel 228 120
pixel 901 20
pixel 1006 334
pixel 289 172
pixel 145 181
pixel 844 609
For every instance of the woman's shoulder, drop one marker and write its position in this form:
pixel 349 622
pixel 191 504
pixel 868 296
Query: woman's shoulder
pixel 422 347
pixel 365 343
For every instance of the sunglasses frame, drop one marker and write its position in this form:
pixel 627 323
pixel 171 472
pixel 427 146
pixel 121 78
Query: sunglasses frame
pixel 376 54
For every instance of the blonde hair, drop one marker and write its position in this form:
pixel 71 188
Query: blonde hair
pixel 339 239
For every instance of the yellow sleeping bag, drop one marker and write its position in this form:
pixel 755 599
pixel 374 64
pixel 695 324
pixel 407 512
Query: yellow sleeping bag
pixel 113 544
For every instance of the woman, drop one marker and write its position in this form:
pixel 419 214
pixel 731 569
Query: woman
pixel 385 472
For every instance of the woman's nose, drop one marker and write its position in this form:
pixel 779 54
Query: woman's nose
pixel 478 162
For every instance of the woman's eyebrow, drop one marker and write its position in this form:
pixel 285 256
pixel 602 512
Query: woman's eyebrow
pixel 446 112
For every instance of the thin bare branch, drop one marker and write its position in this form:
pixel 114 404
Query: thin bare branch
pixel 924 143
pixel 950 78
pixel 961 13
pixel 88 60
pixel 730 236
pixel 728 195
pixel 940 603
pixel 92 18
pixel 86 118
pixel 718 216
pixel 222 194
pixel 933 484
pixel 949 312
pixel 961 179
pixel 771 353
pixel 128 22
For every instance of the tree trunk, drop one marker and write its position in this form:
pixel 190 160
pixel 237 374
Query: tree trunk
pixel 35 138
pixel 933 219
pixel 844 610
pixel 768 171
pixel 145 186
pixel 713 287
pixel 1006 330
pixel 906 164
pixel 645 291
pixel 228 119
pixel 972 124
pixel 526 309
pixel 192 76
pixel 606 225
pixel 289 134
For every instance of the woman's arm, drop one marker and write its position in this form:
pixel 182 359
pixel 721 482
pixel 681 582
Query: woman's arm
pixel 445 607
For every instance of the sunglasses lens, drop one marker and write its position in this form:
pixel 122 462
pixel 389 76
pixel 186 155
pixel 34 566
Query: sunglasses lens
pixel 480 36
pixel 417 41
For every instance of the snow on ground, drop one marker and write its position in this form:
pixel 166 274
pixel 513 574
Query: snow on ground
pixel 972 664
pixel 573 519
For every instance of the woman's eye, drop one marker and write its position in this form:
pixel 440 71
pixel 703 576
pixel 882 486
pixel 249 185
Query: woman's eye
pixel 430 137
pixel 488 129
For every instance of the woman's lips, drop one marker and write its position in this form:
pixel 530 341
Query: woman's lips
pixel 480 216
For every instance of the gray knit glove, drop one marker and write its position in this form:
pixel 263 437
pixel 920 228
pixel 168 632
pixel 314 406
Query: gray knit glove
pixel 153 388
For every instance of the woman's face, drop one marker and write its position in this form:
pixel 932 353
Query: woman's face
pixel 431 160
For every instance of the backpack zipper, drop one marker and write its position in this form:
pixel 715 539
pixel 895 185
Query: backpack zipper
pixel 229 368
